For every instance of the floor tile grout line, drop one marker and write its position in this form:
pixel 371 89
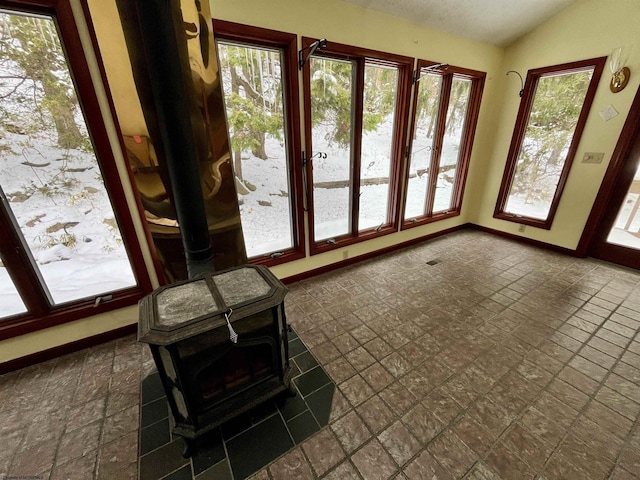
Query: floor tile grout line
pixel 617 279
pixel 224 441
pixel 456 420
pixel 555 376
pixel 635 428
pixel 591 397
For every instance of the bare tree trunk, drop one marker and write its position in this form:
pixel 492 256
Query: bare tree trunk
pixel 37 65
pixel 237 153
pixel 251 92
pixel 61 108
pixel 260 151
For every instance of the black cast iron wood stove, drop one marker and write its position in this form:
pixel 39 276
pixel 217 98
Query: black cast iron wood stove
pixel 219 342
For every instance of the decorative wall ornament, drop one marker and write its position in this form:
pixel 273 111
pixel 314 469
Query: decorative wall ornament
pixel 619 73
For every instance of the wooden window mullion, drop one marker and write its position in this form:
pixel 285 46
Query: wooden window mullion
pixel 19 268
pixel 356 143
pixel 441 123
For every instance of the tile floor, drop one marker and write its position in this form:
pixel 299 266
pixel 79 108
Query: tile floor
pixel 245 444
pixel 468 356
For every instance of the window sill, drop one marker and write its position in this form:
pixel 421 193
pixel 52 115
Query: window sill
pixel 424 220
pixel 532 222
pixel 346 240
pixel 270 260
pixel 22 324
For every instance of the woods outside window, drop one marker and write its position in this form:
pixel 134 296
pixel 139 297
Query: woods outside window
pixel 356 105
pixel 552 115
pixel 67 243
pixel 445 114
pixel 260 85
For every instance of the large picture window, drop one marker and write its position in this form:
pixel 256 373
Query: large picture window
pixel 552 114
pixel 259 81
pixel 356 108
pixel 446 106
pixel 66 252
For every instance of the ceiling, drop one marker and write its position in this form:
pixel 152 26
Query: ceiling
pixel 497 22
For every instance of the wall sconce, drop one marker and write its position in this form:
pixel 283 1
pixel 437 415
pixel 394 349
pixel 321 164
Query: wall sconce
pixel 322 43
pixel 619 73
pixel 521 92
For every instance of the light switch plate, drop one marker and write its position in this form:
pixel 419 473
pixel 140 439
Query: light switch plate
pixel 593 157
pixel 608 113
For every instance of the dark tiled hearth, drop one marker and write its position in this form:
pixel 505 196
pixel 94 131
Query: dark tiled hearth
pixel 245 444
pixel 495 361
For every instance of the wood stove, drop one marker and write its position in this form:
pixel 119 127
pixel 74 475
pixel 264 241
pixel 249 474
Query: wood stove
pixel 219 342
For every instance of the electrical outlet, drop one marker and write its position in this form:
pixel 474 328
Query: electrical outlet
pixel 345 254
pixel 593 157
pixel 521 228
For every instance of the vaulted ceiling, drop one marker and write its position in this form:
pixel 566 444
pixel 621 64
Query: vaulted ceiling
pixel 497 22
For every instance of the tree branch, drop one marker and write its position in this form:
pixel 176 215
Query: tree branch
pixel 22 80
pixel 251 92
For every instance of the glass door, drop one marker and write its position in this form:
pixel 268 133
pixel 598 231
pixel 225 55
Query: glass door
pixel 616 236
pixel 626 228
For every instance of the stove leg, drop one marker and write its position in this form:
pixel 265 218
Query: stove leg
pixel 190 448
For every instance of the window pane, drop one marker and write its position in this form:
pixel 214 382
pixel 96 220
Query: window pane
pixel 253 89
pixel 380 90
pixel 454 128
pixel 331 134
pixel 422 145
pixel 554 115
pixel 10 301
pixel 626 229
pixel 48 169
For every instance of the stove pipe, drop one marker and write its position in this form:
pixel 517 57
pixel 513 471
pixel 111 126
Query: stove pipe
pixel 157 47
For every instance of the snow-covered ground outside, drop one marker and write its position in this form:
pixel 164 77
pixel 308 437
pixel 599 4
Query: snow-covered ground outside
pixel 517 205
pixel 265 212
pixel 618 236
pixel 56 197
pixel 61 199
pixel 621 234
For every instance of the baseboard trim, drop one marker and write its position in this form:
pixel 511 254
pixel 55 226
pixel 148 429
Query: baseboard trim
pixel 525 240
pixel 94 340
pixel 67 348
pixel 370 255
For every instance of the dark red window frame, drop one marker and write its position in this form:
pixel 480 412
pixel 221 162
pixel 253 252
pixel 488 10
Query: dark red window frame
pixel 40 314
pixel 530 87
pixel 287 44
pixel 477 79
pixel 360 56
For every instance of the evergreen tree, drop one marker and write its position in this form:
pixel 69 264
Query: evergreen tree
pixel 254 106
pixel 554 115
pixel 31 54
pixel 332 98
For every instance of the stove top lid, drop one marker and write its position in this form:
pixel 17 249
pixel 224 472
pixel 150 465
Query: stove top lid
pixel 183 303
pixel 181 310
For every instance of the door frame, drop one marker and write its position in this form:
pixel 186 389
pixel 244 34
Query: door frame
pixel 613 190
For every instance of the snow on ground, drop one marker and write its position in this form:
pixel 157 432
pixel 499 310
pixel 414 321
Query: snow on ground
pixel 61 197
pixel 265 212
pixel 539 209
pixel 617 236
pixel 65 216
